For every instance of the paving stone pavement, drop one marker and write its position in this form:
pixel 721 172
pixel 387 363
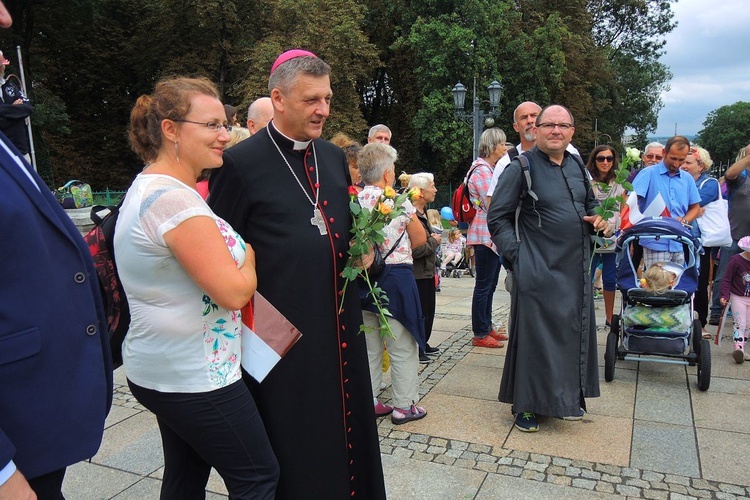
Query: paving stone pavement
pixel 652 434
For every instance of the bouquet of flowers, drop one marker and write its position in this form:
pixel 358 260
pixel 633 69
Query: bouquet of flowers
pixel 368 230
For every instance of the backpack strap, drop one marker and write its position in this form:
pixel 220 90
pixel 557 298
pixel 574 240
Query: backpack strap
pixel 524 160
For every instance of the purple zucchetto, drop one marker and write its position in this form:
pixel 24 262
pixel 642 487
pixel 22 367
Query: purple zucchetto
pixel 290 54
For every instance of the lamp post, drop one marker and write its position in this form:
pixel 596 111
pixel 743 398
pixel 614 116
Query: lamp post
pixel 477 117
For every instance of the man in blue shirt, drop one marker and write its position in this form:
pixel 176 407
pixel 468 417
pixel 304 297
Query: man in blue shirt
pixel 677 189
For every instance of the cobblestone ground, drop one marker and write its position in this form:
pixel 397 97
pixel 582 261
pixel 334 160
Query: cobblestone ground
pixel 589 476
pixel 604 478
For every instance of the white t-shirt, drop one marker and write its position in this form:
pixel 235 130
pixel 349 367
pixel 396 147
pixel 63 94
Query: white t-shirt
pixel 179 339
pixel 505 161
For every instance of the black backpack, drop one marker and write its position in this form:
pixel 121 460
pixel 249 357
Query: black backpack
pixel 100 241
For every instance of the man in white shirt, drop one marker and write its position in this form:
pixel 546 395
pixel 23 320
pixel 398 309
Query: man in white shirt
pixel 524 122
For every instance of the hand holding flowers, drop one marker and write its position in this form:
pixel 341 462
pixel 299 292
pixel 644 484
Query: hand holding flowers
pixel 368 230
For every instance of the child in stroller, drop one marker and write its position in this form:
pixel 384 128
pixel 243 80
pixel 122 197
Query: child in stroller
pixel 656 322
pixel 454 254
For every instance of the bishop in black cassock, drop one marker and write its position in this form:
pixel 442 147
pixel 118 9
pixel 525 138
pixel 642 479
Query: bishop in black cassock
pixel 316 403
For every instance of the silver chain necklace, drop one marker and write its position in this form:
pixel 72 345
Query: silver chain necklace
pixel 317 218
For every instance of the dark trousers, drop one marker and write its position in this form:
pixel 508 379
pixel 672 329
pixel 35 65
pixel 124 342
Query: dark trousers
pixel 725 253
pixel 700 300
pixel 48 486
pixel 487 273
pixel 220 429
pixel 426 289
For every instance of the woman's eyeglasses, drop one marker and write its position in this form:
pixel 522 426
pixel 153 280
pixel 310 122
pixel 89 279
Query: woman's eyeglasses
pixel 602 159
pixel 213 126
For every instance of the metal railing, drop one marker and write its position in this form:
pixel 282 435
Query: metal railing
pixel 108 197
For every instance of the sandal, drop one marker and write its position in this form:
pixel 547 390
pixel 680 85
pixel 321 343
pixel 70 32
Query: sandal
pixel 381 410
pixel 401 416
pixel 706 335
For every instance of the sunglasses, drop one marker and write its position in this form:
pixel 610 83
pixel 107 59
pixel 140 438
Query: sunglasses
pixel 652 156
pixel 602 159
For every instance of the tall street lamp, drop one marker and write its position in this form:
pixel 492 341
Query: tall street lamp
pixel 478 118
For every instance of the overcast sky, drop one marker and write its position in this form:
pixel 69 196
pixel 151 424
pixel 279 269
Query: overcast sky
pixel 709 55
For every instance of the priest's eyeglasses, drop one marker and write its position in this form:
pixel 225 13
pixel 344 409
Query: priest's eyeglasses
pixel 564 127
pixel 213 126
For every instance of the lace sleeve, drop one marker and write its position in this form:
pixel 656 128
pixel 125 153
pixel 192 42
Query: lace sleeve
pixel 165 206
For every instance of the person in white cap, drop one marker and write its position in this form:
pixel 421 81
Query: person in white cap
pixel 14 109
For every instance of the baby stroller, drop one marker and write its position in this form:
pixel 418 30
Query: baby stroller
pixel 462 267
pixel 657 327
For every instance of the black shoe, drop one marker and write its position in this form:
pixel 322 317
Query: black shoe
pixel 429 350
pixel 423 358
pixel 714 320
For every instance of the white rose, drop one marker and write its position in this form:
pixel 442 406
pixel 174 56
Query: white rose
pixel 633 154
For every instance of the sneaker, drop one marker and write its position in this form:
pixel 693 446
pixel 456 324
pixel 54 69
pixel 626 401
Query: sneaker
pixel 573 418
pixel 429 350
pixel 381 410
pixel 487 341
pixel 498 335
pixel 598 295
pixel 401 416
pixel 714 320
pixel 739 356
pixel 424 358
pixel 526 422
pixel 437 289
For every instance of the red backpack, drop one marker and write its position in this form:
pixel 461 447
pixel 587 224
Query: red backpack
pixel 463 209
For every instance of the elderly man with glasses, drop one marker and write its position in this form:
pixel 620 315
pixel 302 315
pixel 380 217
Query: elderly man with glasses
pixel 653 153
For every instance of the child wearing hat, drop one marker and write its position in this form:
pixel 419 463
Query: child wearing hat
pixel 735 290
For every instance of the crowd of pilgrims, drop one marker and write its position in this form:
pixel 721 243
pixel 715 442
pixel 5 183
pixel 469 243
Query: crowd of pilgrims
pixel 258 206
pixel 222 212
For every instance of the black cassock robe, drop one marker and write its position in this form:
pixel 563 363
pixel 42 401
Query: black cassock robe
pixel 317 401
pixel 551 363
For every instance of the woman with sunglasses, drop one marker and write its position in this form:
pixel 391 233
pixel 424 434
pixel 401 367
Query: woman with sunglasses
pixel 602 165
pixel 186 273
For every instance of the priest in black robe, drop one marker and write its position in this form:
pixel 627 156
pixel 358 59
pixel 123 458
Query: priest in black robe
pixel 551 365
pixel 285 191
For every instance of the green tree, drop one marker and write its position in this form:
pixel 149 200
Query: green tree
pixel 725 131
pixel 332 29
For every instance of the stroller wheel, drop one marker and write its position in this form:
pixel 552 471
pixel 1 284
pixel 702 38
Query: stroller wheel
pixel 456 273
pixel 610 357
pixel 697 336
pixel 704 365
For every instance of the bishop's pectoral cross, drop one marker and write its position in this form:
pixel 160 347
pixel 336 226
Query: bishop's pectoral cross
pixel 317 220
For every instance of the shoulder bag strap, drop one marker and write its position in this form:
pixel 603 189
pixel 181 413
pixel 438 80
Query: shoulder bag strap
pixel 394 245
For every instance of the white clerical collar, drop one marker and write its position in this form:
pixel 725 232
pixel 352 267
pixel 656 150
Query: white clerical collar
pixel 296 145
